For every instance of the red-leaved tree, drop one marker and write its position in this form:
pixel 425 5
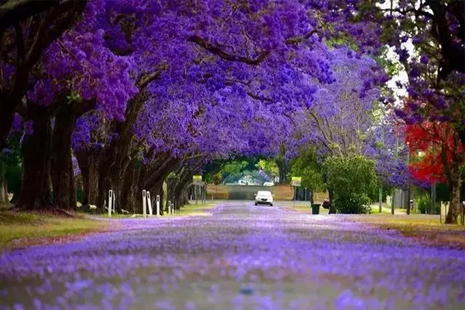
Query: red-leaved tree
pixel 441 159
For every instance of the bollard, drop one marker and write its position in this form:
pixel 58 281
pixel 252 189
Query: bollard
pixel 169 207
pixel 158 205
pixel 149 203
pixel 114 202
pixel 144 203
pixel 110 202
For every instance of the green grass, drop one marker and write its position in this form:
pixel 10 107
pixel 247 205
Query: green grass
pixel 386 210
pixel 426 229
pixel 192 209
pixel 21 229
pixel 306 209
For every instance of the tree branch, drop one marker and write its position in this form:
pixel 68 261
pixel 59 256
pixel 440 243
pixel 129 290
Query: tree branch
pixel 226 56
pixel 14 11
pixel 148 78
pixel 61 17
pixel 300 39
pixel 20 50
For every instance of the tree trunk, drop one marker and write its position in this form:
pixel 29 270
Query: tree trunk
pixel 64 188
pixel 455 203
pixel 35 182
pixel 3 185
pixel 103 185
pixel 128 191
pixel 88 164
pixel 179 192
pixel 283 171
pixel 332 207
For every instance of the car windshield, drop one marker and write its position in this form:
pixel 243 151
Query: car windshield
pixel 263 193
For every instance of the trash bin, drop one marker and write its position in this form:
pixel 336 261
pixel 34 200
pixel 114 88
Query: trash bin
pixel 316 208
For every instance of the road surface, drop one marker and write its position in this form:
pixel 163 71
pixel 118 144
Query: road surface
pixel 240 257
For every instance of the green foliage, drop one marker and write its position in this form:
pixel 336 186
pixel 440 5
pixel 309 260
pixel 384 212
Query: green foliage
pixel 351 179
pixel 232 171
pixel 10 165
pixel 269 166
pixel 443 192
pixel 35 228
pixel 374 194
pixel 352 204
pixel 216 179
pixel 392 67
pixel 307 166
pixel 424 204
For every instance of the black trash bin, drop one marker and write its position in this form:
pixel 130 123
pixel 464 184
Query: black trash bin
pixel 316 208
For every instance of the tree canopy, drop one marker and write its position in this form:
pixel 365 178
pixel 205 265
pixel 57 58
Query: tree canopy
pixel 128 92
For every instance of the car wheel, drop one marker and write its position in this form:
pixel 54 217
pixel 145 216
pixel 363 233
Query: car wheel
pixel 271 204
pixel 256 204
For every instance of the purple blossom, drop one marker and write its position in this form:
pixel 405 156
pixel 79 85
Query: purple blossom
pixel 424 59
pixel 6 151
pixel 162 263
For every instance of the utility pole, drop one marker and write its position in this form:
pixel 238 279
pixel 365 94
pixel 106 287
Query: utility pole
pixel 380 193
pixel 396 156
pixel 380 198
pixel 433 201
pixel 408 183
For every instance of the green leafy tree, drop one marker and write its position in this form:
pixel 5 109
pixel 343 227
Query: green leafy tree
pixel 351 179
pixel 308 167
pixel 10 169
pixel 269 166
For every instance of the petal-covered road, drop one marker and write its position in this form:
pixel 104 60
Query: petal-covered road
pixel 241 257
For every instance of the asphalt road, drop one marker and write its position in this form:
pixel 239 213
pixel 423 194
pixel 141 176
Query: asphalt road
pixel 240 257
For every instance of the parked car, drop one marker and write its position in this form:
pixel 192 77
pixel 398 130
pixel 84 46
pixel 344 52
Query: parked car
pixel 268 184
pixel 264 197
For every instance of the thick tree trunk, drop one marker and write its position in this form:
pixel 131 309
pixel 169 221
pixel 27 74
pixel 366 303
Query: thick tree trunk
pixel 64 187
pixel 179 193
pixel 283 168
pixel 128 191
pixel 455 203
pixel 332 208
pixel 35 183
pixel 88 164
pixel 103 185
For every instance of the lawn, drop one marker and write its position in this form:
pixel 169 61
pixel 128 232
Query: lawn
pixel 305 208
pixel 193 209
pixel 21 229
pixel 386 209
pixel 374 209
pixel 427 229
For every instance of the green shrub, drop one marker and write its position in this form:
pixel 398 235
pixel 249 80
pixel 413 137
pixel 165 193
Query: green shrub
pixel 353 204
pixel 351 179
pixel 424 205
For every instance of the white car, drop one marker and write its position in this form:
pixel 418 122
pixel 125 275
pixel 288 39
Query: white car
pixel 268 184
pixel 264 197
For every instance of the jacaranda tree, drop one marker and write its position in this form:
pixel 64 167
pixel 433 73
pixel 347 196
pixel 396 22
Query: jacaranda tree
pixel 139 90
